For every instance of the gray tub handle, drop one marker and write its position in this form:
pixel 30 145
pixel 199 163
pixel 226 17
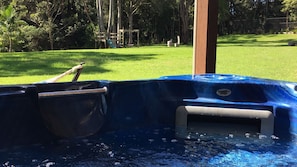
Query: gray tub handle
pixel 72 92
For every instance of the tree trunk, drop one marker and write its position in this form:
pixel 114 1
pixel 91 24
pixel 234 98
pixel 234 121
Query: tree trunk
pixel 51 39
pixel 110 17
pixel 100 16
pixel 10 44
pixel 113 26
pixel 130 14
pixel 50 33
pixel 130 17
pixel 184 16
pixel 119 23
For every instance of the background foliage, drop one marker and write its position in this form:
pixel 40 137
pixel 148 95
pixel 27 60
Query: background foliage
pixel 31 25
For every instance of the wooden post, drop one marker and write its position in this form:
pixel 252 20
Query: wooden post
pixel 205 36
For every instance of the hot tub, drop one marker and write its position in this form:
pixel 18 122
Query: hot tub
pixel 179 117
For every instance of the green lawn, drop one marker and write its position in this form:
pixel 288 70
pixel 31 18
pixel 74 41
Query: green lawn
pixel 266 56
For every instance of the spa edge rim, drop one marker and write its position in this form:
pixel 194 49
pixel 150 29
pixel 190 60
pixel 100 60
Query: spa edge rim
pixel 39 113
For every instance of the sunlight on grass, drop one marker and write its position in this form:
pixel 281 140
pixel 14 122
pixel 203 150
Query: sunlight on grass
pixel 268 57
pixel 265 56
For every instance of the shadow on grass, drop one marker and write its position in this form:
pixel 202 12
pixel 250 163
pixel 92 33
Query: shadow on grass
pixel 57 62
pixel 253 40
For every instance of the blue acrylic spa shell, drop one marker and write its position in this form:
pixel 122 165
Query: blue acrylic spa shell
pixel 38 113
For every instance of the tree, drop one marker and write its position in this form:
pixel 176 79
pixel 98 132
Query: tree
pixel 100 16
pixel 162 23
pixel 48 12
pixel 224 17
pixel 251 16
pixel 106 11
pixel 67 24
pixel 9 24
pixel 111 18
pixel 290 7
pixel 119 17
pixel 131 7
pixel 184 9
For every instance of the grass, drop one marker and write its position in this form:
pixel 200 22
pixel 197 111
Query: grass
pixel 110 64
pixel 266 56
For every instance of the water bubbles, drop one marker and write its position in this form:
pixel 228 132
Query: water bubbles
pixel 104 146
pixel 173 140
pixel 47 163
pixel 7 164
pixel 188 137
pixel 274 137
pixel 151 140
pixel 157 147
pixel 156 132
pixel 262 136
pixel 111 154
pixel 247 135
pixel 117 163
pixel 239 145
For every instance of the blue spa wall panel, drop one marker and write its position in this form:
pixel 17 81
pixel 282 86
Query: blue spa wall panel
pixel 141 103
pixel 138 103
pixel 147 102
pixel 20 121
pixel 280 97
